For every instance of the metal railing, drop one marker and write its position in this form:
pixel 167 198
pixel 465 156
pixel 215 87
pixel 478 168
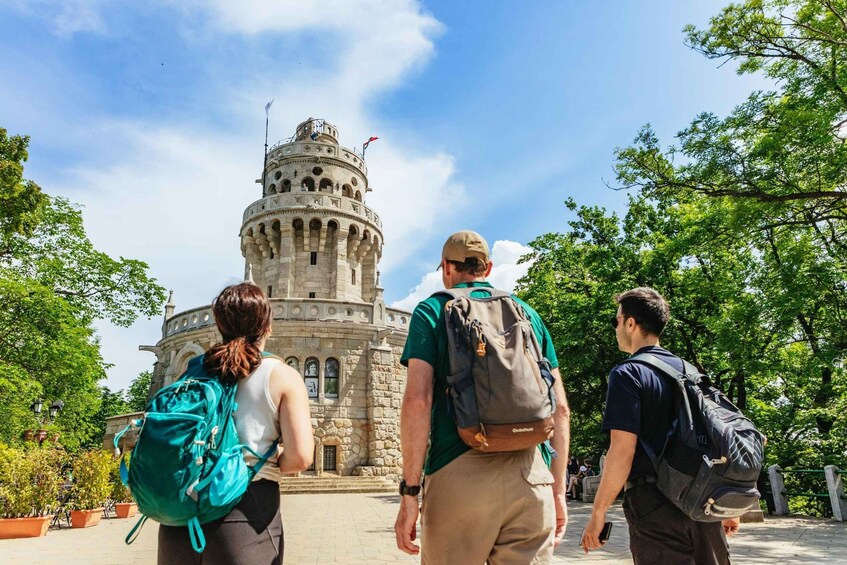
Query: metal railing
pixel 834 485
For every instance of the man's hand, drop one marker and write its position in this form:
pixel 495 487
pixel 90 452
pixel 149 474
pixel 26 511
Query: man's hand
pixel 591 537
pixel 560 500
pixel 731 526
pixel 405 528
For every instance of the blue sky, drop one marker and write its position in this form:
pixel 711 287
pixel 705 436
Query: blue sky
pixel 489 116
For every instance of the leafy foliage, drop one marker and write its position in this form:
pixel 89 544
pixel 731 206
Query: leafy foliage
pixel 743 227
pixel 119 491
pixel 91 486
pixel 137 393
pixel 53 285
pixel 29 480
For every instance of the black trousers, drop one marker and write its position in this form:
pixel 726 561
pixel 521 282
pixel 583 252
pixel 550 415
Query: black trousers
pixel 660 534
pixel 250 534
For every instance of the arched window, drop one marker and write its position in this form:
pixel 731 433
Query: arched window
pixel 346 191
pixel 294 363
pixel 286 185
pixel 308 184
pixel 331 378
pixel 310 375
pixel 358 196
pixel 326 185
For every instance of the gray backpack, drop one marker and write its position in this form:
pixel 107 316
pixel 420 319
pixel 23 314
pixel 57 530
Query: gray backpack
pixel 713 454
pixel 500 386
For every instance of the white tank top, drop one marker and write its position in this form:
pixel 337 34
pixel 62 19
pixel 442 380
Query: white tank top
pixel 257 417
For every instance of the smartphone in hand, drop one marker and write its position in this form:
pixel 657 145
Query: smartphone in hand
pixel 605 533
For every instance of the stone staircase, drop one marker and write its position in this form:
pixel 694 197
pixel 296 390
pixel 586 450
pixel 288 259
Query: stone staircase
pixel 335 484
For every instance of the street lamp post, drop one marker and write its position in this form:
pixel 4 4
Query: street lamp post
pixel 37 408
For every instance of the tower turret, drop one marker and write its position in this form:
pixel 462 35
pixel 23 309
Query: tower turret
pixel 311 236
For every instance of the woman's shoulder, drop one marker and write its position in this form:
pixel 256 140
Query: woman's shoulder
pixel 282 370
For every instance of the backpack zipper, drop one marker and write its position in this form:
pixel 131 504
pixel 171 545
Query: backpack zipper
pixel 212 444
pixel 712 462
pixel 480 345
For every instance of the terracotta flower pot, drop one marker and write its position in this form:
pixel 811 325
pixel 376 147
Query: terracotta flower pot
pixel 41 435
pixel 85 518
pixel 28 435
pixel 24 527
pixel 126 509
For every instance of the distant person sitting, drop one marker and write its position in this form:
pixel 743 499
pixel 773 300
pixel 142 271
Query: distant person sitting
pixel 573 485
pixel 573 467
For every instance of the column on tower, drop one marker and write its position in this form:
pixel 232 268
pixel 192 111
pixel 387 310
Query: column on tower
pixel 342 271
pixel 354 279
pixel 370 264
pixel 286 260
pixel 250 251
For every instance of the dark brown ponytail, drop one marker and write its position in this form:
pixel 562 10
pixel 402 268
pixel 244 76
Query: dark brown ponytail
pixel 243 316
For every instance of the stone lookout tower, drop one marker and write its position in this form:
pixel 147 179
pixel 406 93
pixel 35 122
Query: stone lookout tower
pixel 313 246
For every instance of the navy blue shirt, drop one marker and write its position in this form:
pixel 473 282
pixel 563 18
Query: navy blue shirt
pixel 640 400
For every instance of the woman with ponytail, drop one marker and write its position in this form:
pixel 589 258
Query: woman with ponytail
pixel 272 403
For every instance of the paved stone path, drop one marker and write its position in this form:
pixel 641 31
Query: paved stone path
pixel 358 529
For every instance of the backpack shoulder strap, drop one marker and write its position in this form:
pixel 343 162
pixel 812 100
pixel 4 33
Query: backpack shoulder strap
pixel 466 291
pixel 652 361
pixel 682 399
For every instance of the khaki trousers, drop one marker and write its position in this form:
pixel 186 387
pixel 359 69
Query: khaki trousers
pixel 489 507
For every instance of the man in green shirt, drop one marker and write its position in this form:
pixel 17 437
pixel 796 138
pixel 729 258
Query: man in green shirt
pixel 477 507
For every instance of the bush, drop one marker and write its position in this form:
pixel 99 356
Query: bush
pixel 91 479
pixel 119 491
pixel 29 480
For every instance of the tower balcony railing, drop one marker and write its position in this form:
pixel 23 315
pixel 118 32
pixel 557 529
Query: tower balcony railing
pixel 303 309
pixel 290 148
pixel 305 201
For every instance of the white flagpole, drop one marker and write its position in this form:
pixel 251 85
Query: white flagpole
pixel 265 162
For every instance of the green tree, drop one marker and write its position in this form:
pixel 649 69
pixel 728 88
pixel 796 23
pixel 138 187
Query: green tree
pixel 138 391
pixel 53 285
pixel 742 224
pixel 21 201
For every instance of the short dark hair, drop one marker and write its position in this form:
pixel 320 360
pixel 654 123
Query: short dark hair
pixel 472 265
pixel 649 309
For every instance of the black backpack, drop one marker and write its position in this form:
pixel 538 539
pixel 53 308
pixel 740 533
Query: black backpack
pixel 713 455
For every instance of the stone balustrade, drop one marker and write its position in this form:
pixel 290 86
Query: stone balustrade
pixel 306 201
pixel 291 149
pixel 189 320
pixel 296 309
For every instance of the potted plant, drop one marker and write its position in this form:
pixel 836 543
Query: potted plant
pixel 29 487
pixel 90 487
pixel 125 506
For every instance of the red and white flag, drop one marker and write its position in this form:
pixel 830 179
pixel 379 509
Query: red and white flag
pixel 368 142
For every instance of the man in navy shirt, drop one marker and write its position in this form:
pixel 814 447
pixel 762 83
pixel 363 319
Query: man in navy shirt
pixel 639 411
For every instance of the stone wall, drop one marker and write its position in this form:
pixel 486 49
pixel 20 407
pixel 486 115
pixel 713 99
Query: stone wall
pixel 363 420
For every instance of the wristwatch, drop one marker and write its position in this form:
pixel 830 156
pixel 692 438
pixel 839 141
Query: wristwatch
pixel 406 490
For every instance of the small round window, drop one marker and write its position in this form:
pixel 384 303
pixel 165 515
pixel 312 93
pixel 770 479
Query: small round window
pixel 317 171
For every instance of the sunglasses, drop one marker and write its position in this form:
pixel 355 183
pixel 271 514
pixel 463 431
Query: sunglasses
pixel 615 320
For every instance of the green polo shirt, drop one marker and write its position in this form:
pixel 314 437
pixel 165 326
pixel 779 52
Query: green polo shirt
pixel 427 341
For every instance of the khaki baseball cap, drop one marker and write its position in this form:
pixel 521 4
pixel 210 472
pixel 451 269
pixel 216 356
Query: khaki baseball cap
pixel 463 245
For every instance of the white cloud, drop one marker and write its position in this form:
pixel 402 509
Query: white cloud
pixel 172 193
pixel 66 17
pixel 430 282
pixel 505 274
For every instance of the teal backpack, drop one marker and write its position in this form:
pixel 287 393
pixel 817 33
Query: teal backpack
pixel 188 466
